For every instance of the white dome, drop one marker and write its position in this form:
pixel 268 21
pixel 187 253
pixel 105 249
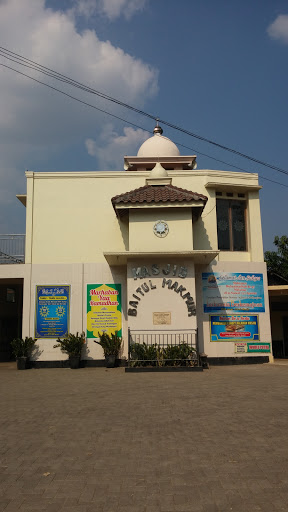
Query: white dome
pixel 158 146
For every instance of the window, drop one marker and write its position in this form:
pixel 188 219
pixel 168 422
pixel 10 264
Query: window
pixel 231 225
pixel 10 295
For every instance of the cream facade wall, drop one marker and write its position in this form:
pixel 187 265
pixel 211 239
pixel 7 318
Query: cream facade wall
pixel 142 238
pixel 158 293
pixel 77 275
pixel 70 217
pixel 226 349
pixel 71 223
pixel 159 299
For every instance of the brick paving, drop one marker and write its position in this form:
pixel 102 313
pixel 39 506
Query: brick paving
pixel 105 441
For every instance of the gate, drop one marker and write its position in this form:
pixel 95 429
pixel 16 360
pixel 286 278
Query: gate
pixel 178 347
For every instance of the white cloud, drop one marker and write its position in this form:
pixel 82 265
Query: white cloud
pixel 37 123
pixel 279 28
pixel 111 147
pixel 111 8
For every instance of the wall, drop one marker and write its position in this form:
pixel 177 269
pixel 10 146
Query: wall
pixel 154 300
pixel 71 222
pixel 226 349
pixel 157 297
pixel 70 217
pixel 142 237
pixel 76 275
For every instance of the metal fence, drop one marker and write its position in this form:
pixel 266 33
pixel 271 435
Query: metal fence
pixel 177 347
pixel 12 249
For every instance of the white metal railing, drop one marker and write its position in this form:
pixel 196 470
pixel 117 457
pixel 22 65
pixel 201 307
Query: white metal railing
pixel 12 249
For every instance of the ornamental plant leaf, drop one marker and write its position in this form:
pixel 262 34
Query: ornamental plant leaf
pixel 72 344
pixel 111 344
pixel 22 347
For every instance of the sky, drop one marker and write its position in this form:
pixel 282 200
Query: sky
pixel 218 69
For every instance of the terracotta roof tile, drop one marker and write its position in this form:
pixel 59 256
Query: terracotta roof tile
pixel 158 194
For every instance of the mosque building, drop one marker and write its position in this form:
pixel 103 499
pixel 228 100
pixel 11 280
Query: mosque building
pixel 162 248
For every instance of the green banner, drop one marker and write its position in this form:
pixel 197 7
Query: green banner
pixel 103 309
pixel 258 347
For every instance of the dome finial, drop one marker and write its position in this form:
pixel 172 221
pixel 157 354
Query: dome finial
pixel 157 128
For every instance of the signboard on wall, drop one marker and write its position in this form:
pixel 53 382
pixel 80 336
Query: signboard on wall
pixel 233 291
pixel 52 311
pixel 258 347
pixel 241 347
pixel 234 327
pixel 103 309
pixel 163 318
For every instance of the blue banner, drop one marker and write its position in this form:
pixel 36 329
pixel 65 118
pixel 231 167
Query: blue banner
pixel 52 311
pixel 234 328
pixel 233 291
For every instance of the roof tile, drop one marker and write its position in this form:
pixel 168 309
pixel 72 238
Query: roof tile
pixel 158 194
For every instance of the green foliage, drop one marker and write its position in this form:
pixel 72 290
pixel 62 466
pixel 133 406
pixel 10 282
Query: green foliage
pixel 142 354
pixel 22 347
pixel 111 344
pixel 277 261
pixel 72 345
pixel 179 353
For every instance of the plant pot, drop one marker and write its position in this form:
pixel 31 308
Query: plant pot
pixel 74 362
pixel 110 361
pixel 21 363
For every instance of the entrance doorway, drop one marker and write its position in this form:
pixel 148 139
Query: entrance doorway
pixel 285 336
pixel 11 299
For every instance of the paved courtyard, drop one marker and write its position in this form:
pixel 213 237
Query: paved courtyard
pixel 105 441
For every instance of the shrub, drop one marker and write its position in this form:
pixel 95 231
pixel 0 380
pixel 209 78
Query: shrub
pixel 111 344
pixel 22 347
pixel 179 355
pixel 72 344
pixel 142 354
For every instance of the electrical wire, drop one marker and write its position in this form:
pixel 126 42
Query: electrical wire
pixel 4 52
pixel 230 165
pixel 8 54
pixel 70 96
pixel 203 216
pixel 133 124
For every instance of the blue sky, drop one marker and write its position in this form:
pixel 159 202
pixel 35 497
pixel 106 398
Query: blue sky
pixel 218 69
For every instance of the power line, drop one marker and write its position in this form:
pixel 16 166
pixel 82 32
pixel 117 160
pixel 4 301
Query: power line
pixel 4 52
pixel 133 124
pixel 230 165
pixel 70 96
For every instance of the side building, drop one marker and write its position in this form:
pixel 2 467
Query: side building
pixel 158 248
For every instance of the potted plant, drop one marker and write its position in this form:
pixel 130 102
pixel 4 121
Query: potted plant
pixel 111 346
pixel 21 349
pixel 72 346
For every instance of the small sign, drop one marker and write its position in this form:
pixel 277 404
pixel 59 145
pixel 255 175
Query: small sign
pixel 234 327
pixel 162 318
pixel 258 347
pixel 52 311
pixel 240 347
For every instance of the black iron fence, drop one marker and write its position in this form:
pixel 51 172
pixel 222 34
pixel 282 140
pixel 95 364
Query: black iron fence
pixel 163 347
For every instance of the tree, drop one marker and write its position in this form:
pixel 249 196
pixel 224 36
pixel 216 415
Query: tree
pixel 277 261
